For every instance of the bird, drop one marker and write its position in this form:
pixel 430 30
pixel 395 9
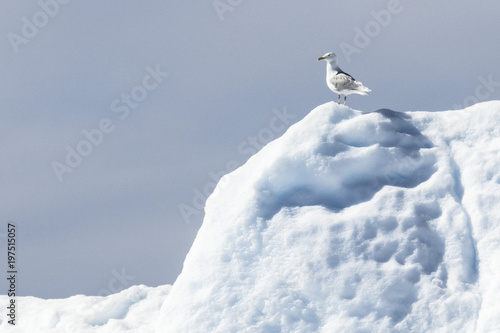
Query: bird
pixel 339 81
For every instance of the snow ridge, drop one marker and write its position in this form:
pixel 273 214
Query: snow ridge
pixel 132 310
pixel 352 221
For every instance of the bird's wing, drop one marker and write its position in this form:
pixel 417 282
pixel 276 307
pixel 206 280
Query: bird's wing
pixel 343 81
pixel 339 71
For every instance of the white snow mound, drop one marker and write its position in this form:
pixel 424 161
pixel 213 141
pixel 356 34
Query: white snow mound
pixel 353 222
pixel 135 309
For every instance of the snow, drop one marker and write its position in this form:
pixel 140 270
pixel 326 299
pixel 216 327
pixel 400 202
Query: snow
pixel 132 310
pixel 351 221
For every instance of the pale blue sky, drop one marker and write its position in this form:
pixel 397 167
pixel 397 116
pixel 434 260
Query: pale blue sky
pixel 119 208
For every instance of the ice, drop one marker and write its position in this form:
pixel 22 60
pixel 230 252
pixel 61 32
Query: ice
pixel 352 221
pixel 132 310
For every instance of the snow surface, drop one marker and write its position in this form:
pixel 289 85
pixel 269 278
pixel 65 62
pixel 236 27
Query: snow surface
pixel 353 222
pixel 350 222
pixel 132 310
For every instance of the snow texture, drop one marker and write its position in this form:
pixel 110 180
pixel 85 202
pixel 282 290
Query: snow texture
pixel 352 221
pixel 132 310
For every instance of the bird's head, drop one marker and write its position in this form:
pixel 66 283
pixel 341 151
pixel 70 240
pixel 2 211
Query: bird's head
pixel 330 57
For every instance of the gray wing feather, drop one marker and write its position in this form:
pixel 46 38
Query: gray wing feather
pixel 343 81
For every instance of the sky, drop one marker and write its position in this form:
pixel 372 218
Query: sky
pixel 118 117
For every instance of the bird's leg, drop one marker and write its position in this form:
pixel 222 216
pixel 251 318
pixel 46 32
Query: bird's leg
pixel 339 99
pixel 345 99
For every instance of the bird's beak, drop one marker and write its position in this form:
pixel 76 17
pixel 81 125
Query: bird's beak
pixel 321 58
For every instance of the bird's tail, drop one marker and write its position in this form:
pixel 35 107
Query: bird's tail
pixel 362 90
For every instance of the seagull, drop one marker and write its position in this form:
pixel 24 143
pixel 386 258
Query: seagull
pixel 339 81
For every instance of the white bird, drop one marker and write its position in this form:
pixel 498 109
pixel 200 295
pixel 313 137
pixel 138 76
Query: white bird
pixel 339 81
